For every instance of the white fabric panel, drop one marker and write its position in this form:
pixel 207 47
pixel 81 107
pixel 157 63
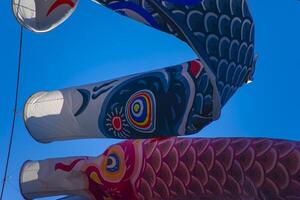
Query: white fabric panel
pixel 41 179
pixel 43 15
pixel 51 116
pixel 46 118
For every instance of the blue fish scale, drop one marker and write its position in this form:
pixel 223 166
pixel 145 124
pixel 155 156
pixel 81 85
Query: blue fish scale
pixel 225 29
pixel 221 31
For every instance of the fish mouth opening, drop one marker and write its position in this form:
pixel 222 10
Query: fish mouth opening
pixel 21 178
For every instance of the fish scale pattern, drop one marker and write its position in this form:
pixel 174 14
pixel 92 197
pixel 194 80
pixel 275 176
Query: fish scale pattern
pixel 225 30
pixel 238 168
pixel 222 34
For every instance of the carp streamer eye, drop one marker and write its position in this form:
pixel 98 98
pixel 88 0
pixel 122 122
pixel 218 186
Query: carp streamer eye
pixel 113 168
pixel 140 111
pixel 113 163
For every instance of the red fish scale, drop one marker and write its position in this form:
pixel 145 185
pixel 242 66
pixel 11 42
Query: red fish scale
pixel 227 168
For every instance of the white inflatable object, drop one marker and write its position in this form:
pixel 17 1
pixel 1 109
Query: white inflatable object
pixel 43 15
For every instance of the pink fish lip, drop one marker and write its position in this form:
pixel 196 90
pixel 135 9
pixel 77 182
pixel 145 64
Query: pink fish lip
pixel 58 3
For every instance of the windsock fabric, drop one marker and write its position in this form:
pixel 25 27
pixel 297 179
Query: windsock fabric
pixel 42 15
pixel 177 100
pixel 174 168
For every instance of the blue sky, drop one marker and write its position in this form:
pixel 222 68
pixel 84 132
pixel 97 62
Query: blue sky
pixel 96 44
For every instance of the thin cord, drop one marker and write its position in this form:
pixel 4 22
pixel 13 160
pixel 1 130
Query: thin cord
pixel 14 115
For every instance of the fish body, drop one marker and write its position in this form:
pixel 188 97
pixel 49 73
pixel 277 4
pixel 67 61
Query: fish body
pixel 173 101
pixel 178 168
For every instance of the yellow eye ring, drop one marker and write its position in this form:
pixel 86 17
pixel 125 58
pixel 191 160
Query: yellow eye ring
pixel 113 167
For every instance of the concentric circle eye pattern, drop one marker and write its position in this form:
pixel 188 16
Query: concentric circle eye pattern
pixel 140 111
pixel 113 163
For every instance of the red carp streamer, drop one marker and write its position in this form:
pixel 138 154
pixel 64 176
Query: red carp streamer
pixel 186 168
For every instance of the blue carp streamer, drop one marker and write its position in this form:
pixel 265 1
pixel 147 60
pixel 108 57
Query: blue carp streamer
pixel 221 32
pixel 177 100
